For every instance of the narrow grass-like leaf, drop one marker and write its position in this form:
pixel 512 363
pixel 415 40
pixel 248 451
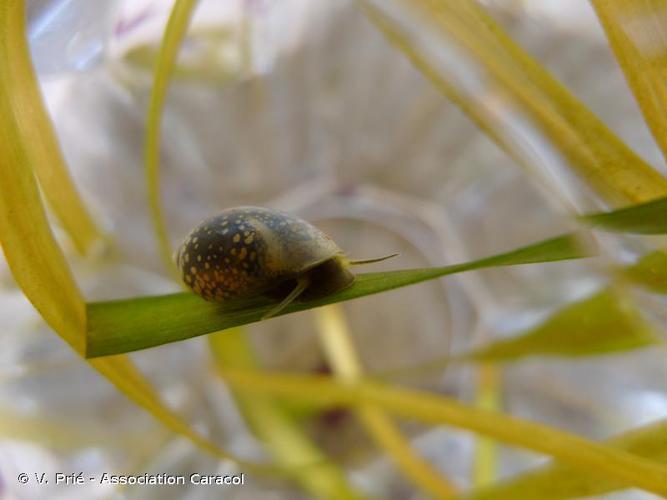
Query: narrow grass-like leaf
pixel 595 459
pixel 644 218
pixel 488 397
pixel 36 261
pixel 637 34
pixel 174 33
pixel 650 271
pixel 290 446
pixel 593 151
pixel 473 108
pixel 23 104
pixel 600 324
pixel 559 481
pixel 338 347
pixel 131 324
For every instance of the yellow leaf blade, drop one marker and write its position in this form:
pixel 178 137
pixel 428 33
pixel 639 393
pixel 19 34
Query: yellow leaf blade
pixel 602 323
pixel 488 397
pixel 558 481
pixel 174 33
pixel 36 261
pixel 26 109
pixel 597 459
pixel 591 149
pixel 638 37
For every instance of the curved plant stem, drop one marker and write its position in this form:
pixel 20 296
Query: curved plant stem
pixel 24 106
pixel 173 35
pixel 489 387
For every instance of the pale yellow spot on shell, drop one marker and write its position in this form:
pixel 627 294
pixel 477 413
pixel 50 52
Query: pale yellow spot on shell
pixel 207 265
pixel 249 239
pixel 198 258
pixel 237 238
pixel 187 257
pixel 193 270
pixel 243 253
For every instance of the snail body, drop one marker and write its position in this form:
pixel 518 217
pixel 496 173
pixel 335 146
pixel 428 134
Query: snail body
pixel 248 251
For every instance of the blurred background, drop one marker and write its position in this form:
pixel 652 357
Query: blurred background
pixel 305 107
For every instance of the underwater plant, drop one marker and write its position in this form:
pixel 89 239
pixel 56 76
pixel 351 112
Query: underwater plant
pixel 349 142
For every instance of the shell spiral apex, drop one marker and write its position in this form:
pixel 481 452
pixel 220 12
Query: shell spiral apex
pixel 247 251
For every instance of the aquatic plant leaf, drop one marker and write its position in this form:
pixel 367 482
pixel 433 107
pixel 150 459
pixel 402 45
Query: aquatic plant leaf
pixel 426 31
pixel 35 259
pixel 559 481
pixel 650 271
pixel 637 34
pixel 138 323
pixel 591 458
pixel 488 396
pixel 177 26
pixel 643 218
pixel 600 324
pixel 23 104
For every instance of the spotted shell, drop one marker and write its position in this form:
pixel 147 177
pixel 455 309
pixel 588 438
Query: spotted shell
pixel 247 251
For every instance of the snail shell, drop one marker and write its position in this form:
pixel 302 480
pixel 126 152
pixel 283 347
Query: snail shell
pixel 248 251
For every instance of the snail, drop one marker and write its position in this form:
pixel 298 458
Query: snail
pixel 248 251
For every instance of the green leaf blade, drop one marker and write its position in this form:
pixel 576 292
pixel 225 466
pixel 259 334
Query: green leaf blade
pixel 644 218
pixel 600 324
pixel 131 324
pixel 650 271
pixel 560 481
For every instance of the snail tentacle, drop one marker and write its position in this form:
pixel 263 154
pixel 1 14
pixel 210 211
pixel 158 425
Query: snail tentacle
pixel 370 261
